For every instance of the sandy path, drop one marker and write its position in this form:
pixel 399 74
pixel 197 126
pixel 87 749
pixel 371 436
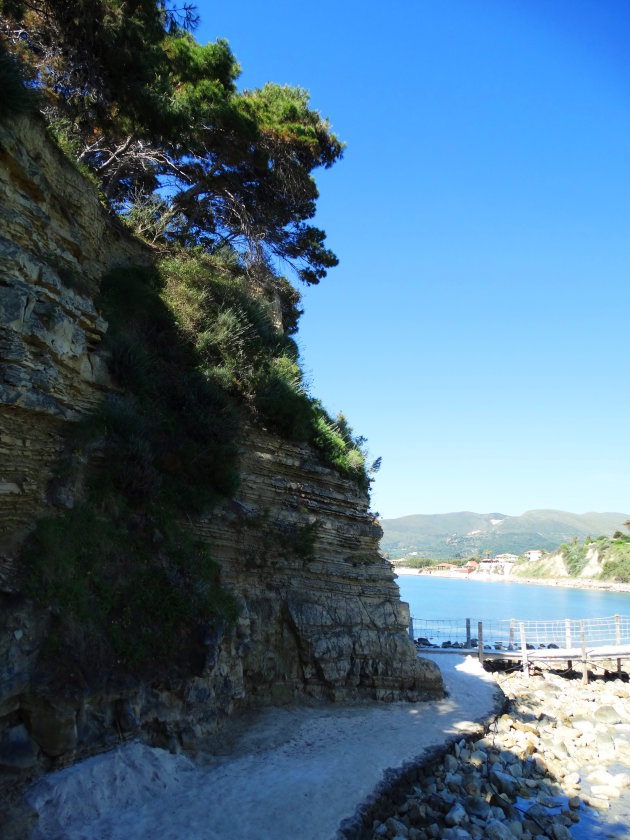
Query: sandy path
pixel 285 773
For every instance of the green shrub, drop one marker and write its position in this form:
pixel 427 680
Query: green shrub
pixel 117 601
pixel 299 540
pixel 241 351
pixel 616 564
pixel 176 436
pixel 575 557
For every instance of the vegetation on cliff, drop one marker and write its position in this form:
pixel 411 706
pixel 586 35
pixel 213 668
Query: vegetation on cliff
pixel 176 148
pixel 219 184
pixel 602 558
pixel 194 351
pixel 218 181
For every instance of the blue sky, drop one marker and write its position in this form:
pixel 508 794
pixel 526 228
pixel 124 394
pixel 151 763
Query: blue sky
pixel 476 329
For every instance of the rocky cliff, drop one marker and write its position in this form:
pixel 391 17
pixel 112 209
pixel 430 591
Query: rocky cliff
pixel 320 615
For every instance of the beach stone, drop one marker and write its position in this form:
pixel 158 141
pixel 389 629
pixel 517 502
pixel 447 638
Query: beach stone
pixel 516 828
pixel 605 747
pixel 477 806
pixel 559 750
pixel 450 763
pixel 537 812
pixel 540 764
pixel 496 830
pixel 601 804
pixel 601 776
pixel 606 792
pixel 572 780
pixel 560 832
pixel 478 758
pixel 504 782
pixel 396 828
pixel 453 781
pixel 456 816
pixel 607 715
pixel 526 726
pixel 546 800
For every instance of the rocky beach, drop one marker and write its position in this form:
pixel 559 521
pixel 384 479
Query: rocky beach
pixel 555 764
pixel 552 761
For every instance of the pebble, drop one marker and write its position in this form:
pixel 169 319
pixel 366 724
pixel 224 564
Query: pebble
pixel 556 750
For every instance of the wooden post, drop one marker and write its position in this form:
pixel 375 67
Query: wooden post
pixel 618 639
pixel 480 641
pixel 524 649
pixel 511 642
pixel 567 624
pixel 411 628
pixel 468 633
pixel 584 662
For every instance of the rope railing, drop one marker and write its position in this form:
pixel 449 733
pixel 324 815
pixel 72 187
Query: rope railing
pixel 505 633
pixel 586 640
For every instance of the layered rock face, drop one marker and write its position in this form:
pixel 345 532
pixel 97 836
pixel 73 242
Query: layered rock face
pixel 320 614
pixel 56 241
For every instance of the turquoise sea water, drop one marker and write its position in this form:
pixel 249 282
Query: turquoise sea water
pixel 447 598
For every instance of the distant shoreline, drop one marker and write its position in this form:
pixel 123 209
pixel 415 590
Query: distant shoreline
pixel 482 577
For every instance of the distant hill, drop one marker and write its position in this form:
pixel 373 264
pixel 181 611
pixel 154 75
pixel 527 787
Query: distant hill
pixel 444 535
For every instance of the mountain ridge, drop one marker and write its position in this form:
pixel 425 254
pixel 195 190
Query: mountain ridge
pixel 465 533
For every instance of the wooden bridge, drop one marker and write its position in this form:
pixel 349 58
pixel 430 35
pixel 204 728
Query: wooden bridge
pixel 598 642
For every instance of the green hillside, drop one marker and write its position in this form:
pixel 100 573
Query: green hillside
pixel 463 534
pixel 603 558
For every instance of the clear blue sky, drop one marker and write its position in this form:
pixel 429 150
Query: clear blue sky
pixel 477 328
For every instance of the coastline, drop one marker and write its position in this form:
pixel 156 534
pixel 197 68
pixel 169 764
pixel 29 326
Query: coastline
pixel 567 583
pixel 529 776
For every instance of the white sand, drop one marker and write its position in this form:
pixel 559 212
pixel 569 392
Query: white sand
pixel 283 774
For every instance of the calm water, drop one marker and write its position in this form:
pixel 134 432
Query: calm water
pixel 446 598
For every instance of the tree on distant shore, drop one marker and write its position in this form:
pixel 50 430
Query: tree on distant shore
pixel 176 148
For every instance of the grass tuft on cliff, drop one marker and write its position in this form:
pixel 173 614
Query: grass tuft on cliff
pixel 241 351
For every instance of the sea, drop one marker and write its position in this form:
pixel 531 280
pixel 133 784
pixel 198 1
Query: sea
pixel 439 607
pixel 440 598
